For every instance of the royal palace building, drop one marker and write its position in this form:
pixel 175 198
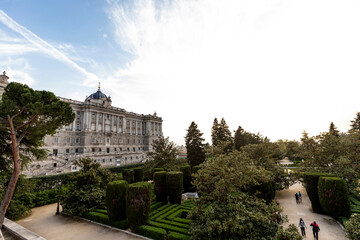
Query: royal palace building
pixel 108 135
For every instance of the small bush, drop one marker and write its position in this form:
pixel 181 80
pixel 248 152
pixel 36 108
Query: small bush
pixel 177 236
pixel 158 170
pixel 352 227
pixel 334 196
pixel 311 181
pixel 104 219
pixel 160 186
pixel 116 193
pixel 129 175
pixel 195 169
pixel 138 174
pixel 174 186
pixel 186 170
pixel 291 233
pixel 138 203
pixel 151 232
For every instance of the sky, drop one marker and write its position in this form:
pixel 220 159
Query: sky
pixel 276 67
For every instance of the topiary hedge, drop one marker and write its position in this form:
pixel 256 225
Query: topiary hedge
pixel 174 186
pixel 138 174
pixel 138 203
pixel 104 219
pixel 334 196
pixel 116 193
pixel 186 170
pixel 177 236
pixel 158 170
pixel 160 186
pixel 311 180
pixel 151 232
pixel 129 175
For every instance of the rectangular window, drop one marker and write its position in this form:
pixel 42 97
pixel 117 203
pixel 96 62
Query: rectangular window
pixel 76 150
pixel 54 164
pixel 120 149
pixel 68 140
pixel 77 140
pixel 67 150
pixel 115 149
pixel 55 152
pixel 134 149
pixel 108 140
pixel 92 149
pixel 56 140
pixel 99 149
pixel 93 140
pixel 108 150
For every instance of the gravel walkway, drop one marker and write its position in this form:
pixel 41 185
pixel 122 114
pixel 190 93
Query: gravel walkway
pixel 329 228
pixel 44 222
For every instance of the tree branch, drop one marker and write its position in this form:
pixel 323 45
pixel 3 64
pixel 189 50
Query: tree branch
pixel 28 122
pixel 17 114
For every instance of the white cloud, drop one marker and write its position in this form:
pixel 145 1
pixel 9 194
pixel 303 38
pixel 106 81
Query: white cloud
pixel 44 46
pixel 19 69
pixel 277 67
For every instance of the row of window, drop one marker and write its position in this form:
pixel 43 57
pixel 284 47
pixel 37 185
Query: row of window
pixel 120 149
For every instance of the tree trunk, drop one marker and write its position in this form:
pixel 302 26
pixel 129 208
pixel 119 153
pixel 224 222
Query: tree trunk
pixel 8 194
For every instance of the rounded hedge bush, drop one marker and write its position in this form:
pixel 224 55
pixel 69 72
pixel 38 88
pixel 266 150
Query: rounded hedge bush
pixel 334 197
pixel 138 174
pixel 160 186
pixel 138 203
pixel 129 175
pixel 174 186
pixel 158 170
pixel 311 180
pixel 186 170
pixel 116 193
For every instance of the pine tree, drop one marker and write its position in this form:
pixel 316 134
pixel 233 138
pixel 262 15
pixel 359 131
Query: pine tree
pixel 239 138
pixel 194 145
pixel 333 130
pixel 355 124
pixel 215 132
pixel 224 132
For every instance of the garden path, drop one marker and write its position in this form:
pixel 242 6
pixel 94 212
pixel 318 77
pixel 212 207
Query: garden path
pixel 329 228
pixel 44 222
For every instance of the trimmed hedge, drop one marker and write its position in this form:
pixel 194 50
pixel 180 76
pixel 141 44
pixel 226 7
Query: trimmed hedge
pixel 158 170
pixel 104 219
pixel 186 170
pixel 138 174
pixel 129 175
pixel 160 186
pixel 138 203
pixel 174 186
pixel 177 236
pixel 311 181
pixel 116 193
pixel 168 227
pixel 51 181
pixel 334 197
pixel 151 232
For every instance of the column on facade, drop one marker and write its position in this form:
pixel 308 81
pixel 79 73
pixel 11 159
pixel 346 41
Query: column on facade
pixel 96 121
pixel 89 120
pixel 103 122
pixel 117 123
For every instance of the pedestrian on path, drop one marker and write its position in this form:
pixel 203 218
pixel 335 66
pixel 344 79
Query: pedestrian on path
pixel 297 198
pixel 316 230
pixel 302 226
pixel 300 197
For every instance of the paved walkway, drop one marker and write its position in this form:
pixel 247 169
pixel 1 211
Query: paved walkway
pixel 44 222
pixel 329 228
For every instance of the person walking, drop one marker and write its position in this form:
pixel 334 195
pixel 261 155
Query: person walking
pixel 297 198
pixel 300 197
pixel 302 227
pixel 316 230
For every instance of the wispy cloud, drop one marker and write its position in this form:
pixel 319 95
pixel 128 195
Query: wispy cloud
pixel 20 70
pixel 246 61
pixel 44 46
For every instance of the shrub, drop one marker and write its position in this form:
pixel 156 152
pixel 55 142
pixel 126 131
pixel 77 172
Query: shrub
pixel 177 236
pixel 352 227
pixel 160 186
pixel 129 175
pixel 151 232
pixel 174 186
pixel 195 169
pixel 138 203
pixel 168 227
pixel 334 196
pixel 116 193
pixel 186 170
pixel 138 174
pixel 291 233
pixel 158 170
pixel 16 210
pixel 104 219
pixel 266 191
pixel 311 181
pixel 120 169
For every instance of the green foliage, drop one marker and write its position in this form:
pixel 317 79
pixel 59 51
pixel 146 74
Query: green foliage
pixel 174 186
pixel 352 227
pixel 334 196
pixel 158 170
pixel 186 170
pixel 138 203
pixel 138 174
pixel 177 236
pixel 129 175
pixel 151 232
pixel 104 219
pixel 116 195
pixel 195 169
pixel 238 216
pixel 120 169
pixel 291 233
pixel 265 190
pixel 220 132
pixel 311 181
pixel 17 210
pixel 194 145
pixel 243 138
pixel 355 124
pixel 160 186
pixel 87 190
pixel 51 181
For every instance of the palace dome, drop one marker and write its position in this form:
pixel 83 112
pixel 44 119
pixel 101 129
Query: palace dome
pixel 97 95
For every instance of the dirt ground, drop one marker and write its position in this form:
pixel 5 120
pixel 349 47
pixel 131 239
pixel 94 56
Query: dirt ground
pixel 329 228
pixel 44 222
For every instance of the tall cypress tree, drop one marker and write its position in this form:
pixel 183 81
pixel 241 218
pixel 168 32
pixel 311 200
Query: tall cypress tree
pixel 333 130
pixel 194 145
pixel 224 132
pixel 355 124
pixel 215 132
pixel 239 138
